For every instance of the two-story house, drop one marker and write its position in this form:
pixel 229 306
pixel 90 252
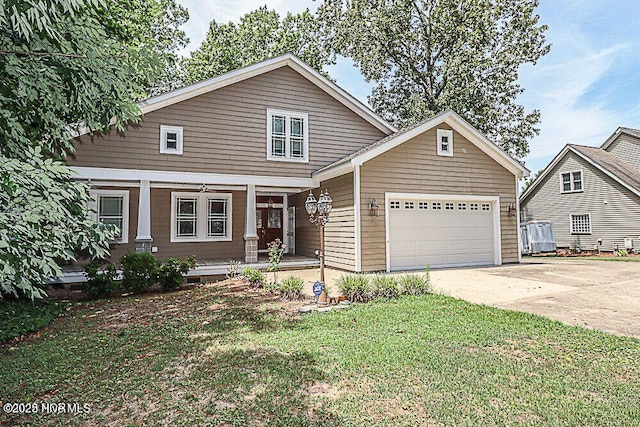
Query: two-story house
pixel 592 195
pixel 222 167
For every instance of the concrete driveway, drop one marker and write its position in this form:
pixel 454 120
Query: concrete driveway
pixel 603 295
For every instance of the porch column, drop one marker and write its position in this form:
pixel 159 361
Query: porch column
pixel 250 230
pixel 143 236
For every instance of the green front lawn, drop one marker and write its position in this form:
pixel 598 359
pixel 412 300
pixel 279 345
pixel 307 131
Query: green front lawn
pixel 199 357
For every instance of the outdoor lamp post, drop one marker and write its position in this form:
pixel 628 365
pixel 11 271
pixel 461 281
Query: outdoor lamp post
pixel 318 211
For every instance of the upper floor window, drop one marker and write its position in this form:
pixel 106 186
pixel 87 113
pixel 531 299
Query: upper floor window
pixel 112 207
pixel 445 142
pixel 571 181
pixel 287 136
pixel 170 139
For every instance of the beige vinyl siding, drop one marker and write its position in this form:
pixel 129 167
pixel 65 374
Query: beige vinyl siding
pixel 340 230
pixel 225 131
pixel 204 251
pixel 626 148
pixel 414 167
pixel 612 222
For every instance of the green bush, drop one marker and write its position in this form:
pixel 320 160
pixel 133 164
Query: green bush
pixel 383 286
pixel 102 279
pixel 139 271
pixel 18 317
pixel 291 288
pixel 622 252
pixel 355 287
pixel 171 273
pixel 415 284
pixel 253 276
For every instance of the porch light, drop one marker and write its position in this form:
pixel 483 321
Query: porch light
pixel 311 205
pixel 318 211
pixel 374 208
pixel 325 203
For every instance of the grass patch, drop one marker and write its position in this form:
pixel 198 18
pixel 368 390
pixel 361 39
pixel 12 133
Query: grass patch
pixel 21 317
pixel 207 357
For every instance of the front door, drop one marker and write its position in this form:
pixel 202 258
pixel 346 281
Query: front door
pixel 269 224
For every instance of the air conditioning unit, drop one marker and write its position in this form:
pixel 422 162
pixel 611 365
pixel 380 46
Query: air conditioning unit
pixel 628 244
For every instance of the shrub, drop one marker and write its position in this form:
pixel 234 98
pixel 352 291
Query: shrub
pixel 102 279
pixel 355 287
pixel 622 252
pixel 415 284
pixel 171 273
pixel 18 317
pixel 253 276
pixel 276 252
pixel 291 288
pixel 383 286
pixel 139 271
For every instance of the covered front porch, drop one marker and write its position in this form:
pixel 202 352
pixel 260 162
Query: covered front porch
pixel 215 217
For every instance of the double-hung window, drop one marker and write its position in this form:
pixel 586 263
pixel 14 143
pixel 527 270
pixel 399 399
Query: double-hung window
pixel 571 182
pixel 200 217
pixel 287 136
pixel 112 207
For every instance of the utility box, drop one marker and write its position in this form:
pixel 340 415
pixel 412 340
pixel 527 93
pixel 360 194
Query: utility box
pixel 628 244
pixel 537 237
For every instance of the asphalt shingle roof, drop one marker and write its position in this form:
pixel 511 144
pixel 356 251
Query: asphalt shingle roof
pixel 607 161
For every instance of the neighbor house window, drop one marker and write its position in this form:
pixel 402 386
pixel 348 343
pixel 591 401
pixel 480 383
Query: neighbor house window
pixel 200 217
pixel 170 139
pixel 287 136
pixel 571 181
pixel 445 142
pixel 112 207
pixel 581 224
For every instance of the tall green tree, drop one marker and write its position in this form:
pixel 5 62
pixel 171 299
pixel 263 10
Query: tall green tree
pixel 259 35
pixel 156 25
pixel 62 70
pixel 429 55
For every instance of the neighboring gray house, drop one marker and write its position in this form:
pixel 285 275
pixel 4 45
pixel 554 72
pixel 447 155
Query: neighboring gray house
pixel 592 195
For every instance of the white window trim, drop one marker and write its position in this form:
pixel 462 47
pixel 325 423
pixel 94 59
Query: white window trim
pixel 94 206
pixel 305 129
pixel 163 139
pixel 448 133
pixel 562 190
pixel 575 233
pixel 201 217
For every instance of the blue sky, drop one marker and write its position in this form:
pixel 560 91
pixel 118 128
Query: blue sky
pixel 587 86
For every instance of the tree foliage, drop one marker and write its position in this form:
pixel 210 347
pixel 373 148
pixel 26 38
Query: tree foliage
pixel 260 35
pixel 154 24
pixel 62 69
pixel 44 216
pixel 429 55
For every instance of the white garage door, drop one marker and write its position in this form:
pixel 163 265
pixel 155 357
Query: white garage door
pixel 440 232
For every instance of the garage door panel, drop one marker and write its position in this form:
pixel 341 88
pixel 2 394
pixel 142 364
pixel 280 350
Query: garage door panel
pixel 441 238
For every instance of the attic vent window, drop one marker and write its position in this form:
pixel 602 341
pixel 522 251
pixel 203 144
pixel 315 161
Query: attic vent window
pixel 171 139
pixel 445 142
pixel 287 136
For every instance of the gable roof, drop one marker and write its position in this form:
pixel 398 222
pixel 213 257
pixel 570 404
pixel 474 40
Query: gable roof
pixel 244 73
pixel 606 162
pixel 621 130
pixel 449 117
